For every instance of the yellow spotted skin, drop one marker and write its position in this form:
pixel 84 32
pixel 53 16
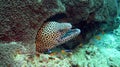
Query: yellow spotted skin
pixel 49 35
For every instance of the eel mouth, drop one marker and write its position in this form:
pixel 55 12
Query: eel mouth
pixel 67 33
pixel 70 34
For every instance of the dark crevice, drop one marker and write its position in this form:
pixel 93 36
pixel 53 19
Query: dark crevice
pixel 57 17
pixel 88 29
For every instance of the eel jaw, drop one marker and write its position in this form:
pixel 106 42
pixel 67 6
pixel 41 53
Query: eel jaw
pixel 68 35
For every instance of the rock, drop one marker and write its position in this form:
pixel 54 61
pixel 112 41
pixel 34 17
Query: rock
pixel 92 17
pixel 20 21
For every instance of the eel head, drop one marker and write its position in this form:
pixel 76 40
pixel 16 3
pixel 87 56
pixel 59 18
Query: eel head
pixel 52 34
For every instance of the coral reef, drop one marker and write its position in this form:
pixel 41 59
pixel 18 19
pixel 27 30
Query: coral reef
pixel 96 10
pixel 117 34
pixel 98 53
pixel 20 21
pixel 102 50
pixel 45 61
pixel 89 56
pixel 117 31
pixel 14 54
pixel 92 17
pixel 8 52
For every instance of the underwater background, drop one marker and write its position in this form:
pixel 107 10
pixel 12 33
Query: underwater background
pixel 59 33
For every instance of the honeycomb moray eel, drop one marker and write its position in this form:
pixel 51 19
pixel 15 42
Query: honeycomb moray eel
pixel 52 34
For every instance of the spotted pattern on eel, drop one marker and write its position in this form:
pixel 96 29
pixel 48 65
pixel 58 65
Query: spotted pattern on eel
pixel 52 34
